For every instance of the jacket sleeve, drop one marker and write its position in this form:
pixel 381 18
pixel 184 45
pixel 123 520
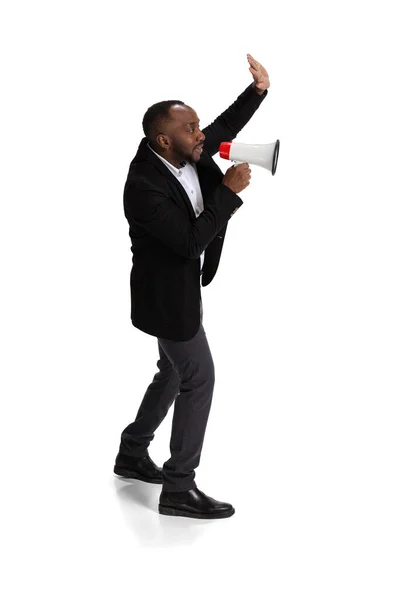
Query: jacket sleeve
pixel 226 127
pixel 151 208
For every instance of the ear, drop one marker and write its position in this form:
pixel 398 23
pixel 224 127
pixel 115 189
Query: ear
pixel 163 141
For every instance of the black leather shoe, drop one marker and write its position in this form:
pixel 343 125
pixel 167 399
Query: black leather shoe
pixel 142 468
pixel 193 503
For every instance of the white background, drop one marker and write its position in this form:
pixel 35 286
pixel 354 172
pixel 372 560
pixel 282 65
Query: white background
pixel 302 317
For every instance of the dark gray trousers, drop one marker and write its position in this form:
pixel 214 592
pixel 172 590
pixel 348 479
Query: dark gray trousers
pixel 186 376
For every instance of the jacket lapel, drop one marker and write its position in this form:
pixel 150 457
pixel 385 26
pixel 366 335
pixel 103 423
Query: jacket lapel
pixel 180 196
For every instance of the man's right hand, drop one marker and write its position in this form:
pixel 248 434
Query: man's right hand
pixel 237 178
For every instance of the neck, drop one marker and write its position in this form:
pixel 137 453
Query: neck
pixel 169 156
pixel 177 162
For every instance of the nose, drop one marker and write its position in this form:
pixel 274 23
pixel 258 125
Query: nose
pixel 200 136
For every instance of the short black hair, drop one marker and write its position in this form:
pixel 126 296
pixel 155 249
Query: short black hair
pixel 154 115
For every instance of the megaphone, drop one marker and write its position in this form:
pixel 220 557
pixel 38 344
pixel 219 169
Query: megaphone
pixel 263 155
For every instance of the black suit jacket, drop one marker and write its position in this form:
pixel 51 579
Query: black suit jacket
pixel 168 239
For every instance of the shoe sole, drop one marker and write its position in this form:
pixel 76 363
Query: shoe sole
pixel 176 512
pixel 128 474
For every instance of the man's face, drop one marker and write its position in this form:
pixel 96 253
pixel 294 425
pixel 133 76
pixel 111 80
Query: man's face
pixel 182 137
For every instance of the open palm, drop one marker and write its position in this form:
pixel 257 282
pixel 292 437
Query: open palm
pixel 259 73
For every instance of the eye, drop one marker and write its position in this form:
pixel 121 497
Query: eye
pixel 192 129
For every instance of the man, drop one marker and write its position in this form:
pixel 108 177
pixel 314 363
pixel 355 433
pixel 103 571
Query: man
pixel 178 204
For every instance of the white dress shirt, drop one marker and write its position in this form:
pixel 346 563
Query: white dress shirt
pixel 189 179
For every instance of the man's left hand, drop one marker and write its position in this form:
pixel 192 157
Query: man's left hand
pixel 260 75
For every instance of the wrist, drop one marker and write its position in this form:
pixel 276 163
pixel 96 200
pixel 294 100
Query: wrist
pixel 257 90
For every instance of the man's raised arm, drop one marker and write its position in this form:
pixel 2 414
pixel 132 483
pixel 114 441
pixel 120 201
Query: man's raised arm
pixel 226 127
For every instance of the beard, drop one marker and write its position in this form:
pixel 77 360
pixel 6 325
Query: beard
pixel 184 155
pixel 196 153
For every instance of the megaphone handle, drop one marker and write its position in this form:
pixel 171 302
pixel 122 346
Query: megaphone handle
pixel 237 162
